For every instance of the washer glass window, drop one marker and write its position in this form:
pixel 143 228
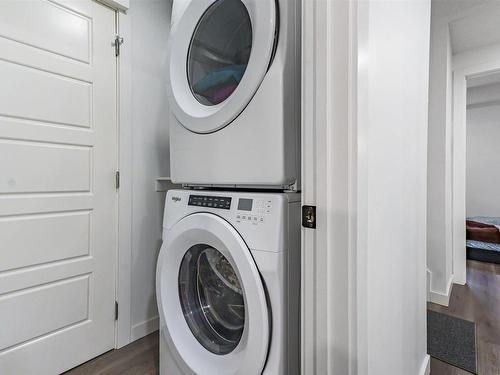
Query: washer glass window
pixel 219 51
pixel 212 299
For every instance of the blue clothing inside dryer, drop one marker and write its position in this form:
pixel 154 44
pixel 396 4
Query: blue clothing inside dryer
pixel 217 78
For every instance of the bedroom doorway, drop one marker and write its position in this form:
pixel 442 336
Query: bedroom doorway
pixel 476 131
pixel 482 159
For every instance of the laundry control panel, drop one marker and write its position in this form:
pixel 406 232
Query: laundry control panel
pixel 210 202
pixel 253 211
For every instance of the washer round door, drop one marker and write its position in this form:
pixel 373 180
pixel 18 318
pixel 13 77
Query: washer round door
pixel 219 53
pixel 211 298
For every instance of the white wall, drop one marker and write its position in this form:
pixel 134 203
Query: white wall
pixel 150 152
pixel 483 154
pixel 392 118
pixel 439 245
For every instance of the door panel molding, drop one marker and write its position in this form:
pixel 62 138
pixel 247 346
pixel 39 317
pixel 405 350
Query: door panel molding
pixel 58 202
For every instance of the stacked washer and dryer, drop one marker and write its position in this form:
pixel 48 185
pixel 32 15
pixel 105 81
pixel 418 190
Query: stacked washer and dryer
pixel 228 274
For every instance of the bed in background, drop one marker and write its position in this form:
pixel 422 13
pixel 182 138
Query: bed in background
pixel 484 251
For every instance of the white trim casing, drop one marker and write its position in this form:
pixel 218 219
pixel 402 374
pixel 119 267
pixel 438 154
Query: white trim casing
pixel 483 104
pixel 121 5
pixel 325 250
pixel 459 176
pixel 124 276
pixel 439 149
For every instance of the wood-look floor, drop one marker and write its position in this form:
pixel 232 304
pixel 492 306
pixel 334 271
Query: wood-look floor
pixel 138 358
pixel 478 301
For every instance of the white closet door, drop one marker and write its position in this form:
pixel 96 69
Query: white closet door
pixel 58 202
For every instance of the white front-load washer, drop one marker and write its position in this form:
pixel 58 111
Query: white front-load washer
pixel 234 91
pixel 227 284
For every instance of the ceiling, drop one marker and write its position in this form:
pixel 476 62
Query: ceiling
pixel 475 31
pixel 446 8
pixel 473 23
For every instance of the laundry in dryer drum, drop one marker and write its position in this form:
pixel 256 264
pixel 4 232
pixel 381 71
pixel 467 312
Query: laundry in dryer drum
pixel 219 94
pixel 219 84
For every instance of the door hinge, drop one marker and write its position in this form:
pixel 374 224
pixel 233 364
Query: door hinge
pixel 117 180
pixel 117 43
pixel 116 310
pixel 309 217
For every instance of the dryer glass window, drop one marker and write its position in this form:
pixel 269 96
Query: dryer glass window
pixel 219 51
pixel 212 299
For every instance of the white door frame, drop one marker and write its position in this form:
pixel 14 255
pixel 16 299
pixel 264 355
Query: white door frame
pixel 123 325
pixel 460 76
pixel 328 175
pixel 124 274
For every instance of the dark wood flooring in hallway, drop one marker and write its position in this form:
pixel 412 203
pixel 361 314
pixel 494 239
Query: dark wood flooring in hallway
pixel 478 301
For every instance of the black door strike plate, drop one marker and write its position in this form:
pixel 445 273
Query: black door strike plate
pixel 309 217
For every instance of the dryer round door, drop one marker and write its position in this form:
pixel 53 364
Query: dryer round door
pixel 219 52
pixel 211 299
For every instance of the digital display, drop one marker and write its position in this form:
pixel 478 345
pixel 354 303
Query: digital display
pixel 245 204
pixel 210 202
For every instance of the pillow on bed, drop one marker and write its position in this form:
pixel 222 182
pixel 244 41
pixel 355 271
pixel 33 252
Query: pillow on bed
pixel 491 235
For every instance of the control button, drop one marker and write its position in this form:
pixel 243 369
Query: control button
pixel 244 217
pixel 238 216
pixel 261 219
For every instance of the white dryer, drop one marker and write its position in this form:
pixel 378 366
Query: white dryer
pixel 234 90
pixel 228 280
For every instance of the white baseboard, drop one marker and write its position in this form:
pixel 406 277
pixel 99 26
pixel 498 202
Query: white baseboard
pixel 144 328
pixel 439 297
pixel 425 369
